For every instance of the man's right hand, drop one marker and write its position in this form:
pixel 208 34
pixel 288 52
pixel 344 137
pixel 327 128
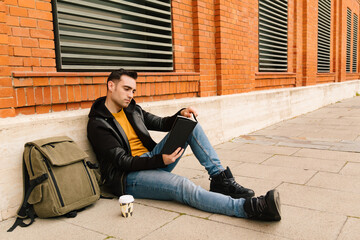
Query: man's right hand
pixel 170 158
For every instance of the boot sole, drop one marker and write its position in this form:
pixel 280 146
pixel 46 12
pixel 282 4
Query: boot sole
pixel 275 205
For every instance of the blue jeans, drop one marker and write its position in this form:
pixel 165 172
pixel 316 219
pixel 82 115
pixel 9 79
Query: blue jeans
pixel 161 184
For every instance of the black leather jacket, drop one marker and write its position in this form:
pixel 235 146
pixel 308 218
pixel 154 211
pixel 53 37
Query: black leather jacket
pixel 111 145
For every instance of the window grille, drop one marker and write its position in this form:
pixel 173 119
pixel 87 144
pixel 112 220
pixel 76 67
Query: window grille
pixel 109 34
pixel 273 19
pixel 355 43
pixel 324 24
pixel 348 39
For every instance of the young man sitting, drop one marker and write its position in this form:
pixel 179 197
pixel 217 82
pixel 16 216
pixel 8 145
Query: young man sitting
pixel 131 161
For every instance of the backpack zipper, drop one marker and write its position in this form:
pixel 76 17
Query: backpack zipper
pixel 87 171
pixel 55 183
pixel 31 167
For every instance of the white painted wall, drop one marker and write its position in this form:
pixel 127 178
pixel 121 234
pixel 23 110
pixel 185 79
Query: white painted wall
pixel 222 117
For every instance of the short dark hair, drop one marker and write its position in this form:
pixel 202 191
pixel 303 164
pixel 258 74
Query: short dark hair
pixel 116 75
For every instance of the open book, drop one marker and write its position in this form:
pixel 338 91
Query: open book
pixel 179 133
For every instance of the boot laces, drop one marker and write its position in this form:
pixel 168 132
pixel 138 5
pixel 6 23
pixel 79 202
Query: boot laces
pixel 260 204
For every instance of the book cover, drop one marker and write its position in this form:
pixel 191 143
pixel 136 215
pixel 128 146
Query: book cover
pixel 179 133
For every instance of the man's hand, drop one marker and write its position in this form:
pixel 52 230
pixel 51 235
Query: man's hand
pixel 170 158
pixel 188 111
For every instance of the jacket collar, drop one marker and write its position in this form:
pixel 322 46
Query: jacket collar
pixel 98 109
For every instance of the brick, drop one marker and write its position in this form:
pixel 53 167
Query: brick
pixel 63 94
pixel 40 81
pixel 4 60
pixel 43 6
pixel 48 25
pixel 39 33
pixel 48 62
pixel 16 61
pixel 39 99
pixel 4 50
pixel 84 93
pixel 42 109
pixel 77 92
pixel 30 42
pixel 46 53
pixel 12 21
pixel 38 14
pixel 26 3
pixel 6 102
pixel 20 97
pixel 4 39
pixel 30 96
pixel 7 112
pixel 20 32
pixel 73 106
pixel 70 93
pixel 103 90
pixel 99 79
pixel 28 22
pixel 57 81
pixel 58 107
pixel 6 92
pixel 25 111
pixel 55 95
pixel 15 41
pixel 86 104
pixel 5 82
pixel 86 80
pixel 31 62
pixel 20 51
pixel 47 95
pixel 18 11
pixel 44 43
pixel 22 82
pixel 72 80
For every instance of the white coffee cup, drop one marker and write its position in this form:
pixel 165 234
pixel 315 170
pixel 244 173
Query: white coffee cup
pixel 126 205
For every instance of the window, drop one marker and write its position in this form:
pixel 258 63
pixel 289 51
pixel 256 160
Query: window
pixel 324 24
pixel 348 39
pixel 273 36
pixel 355 43
pixel 109 34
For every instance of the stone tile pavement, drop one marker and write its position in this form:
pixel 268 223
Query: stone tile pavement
pixel 313 160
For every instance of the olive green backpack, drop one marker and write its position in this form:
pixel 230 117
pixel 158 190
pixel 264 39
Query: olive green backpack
pixel 58 180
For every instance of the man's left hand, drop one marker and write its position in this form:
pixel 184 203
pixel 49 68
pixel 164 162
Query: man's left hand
pixel 188 111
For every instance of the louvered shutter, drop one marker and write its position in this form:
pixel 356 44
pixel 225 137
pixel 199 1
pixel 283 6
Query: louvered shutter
pixel 324 24
pixel 273 19
pixel 348 39
pixel 109 34
pixel 355 43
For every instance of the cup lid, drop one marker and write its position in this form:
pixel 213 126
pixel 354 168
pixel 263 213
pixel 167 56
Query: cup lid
pixel 126 199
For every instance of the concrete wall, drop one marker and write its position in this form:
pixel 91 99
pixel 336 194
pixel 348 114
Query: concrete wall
pixel 223 118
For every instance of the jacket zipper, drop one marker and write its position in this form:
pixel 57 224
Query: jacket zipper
pixel 31 167
pixel 55 183
pixel 87 171
pixel 122 183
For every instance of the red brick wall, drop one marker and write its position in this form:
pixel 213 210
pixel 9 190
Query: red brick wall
pixel 215 53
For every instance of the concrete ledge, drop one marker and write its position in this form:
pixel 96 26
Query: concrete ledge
pixel 222 117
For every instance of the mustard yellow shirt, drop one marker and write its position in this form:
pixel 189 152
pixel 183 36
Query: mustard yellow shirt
pixel 136 146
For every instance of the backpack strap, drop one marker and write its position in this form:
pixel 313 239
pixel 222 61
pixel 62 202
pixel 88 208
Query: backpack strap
pixel 26 210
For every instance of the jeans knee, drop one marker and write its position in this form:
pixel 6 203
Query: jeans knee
pixel 187 190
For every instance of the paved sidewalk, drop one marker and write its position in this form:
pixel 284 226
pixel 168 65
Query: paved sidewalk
pixel 313 160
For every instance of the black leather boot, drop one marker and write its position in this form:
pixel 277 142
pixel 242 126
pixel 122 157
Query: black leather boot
pixel 225 183
pixel 265 208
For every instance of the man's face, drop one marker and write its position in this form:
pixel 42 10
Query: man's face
pixel 122 92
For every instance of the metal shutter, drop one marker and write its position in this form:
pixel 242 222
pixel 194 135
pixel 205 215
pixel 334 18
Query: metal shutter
pixel 109 34
pixel 348 39
pixel 355 43
pixel 273 35
pixel 324 24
